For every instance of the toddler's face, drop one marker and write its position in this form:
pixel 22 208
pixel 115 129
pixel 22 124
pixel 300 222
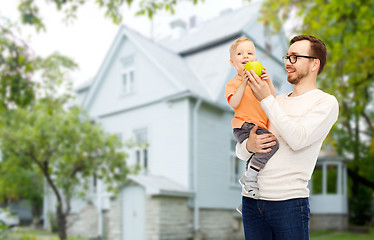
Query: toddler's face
pixel 245 52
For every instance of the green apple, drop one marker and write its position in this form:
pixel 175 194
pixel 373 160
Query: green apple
pixel 255 66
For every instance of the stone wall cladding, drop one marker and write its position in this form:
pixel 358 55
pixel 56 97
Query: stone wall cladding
pixel 171 218
pixel 114 218
pixel 84 224
pixel 328 222
pixel 220 224
pixel 168 218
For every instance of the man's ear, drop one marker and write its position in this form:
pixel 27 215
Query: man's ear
pixel 316 64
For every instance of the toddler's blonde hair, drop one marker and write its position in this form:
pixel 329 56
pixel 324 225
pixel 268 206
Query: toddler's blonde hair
pixel 238 41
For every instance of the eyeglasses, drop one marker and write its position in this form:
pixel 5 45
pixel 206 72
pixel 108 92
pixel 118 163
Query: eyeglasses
pixel 293 58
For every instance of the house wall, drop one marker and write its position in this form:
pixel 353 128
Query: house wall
pixel 150 84
pixel 328 221
pixel 167 125
pixel 214 169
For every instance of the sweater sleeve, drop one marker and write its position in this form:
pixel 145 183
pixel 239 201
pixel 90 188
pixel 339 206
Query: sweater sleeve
pixel 315 125
pixel 242 152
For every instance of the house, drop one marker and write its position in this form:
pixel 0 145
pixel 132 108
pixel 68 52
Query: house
pixel 170 95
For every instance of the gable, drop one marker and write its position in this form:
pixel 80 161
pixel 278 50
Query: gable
pixel 212 67
pixel 149 83
pixel 159 73
pixel 196 64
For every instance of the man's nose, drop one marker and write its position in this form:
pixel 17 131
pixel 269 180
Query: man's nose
pixel 288 63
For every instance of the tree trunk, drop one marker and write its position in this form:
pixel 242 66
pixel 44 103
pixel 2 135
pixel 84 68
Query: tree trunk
pixel 61 222
pixel 356 179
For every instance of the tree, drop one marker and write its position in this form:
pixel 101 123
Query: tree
pixel 16 68
pixel 18 183
pixel 347 29
pixel 30 11
pixel 65 147
pixel 58 142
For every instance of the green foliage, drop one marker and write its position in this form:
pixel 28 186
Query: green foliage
pixel 360 206
pixel 65 146
pixel 16 68
pixel 4 232
pixel 30 11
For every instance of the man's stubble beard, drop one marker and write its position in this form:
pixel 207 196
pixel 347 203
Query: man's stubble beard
pixel 298 78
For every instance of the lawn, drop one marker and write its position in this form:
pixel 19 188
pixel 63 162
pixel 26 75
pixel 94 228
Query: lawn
pixel 30 234
pixel 331 235
pixel 27 234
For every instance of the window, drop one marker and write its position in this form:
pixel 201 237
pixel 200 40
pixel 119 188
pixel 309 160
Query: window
pixel 128 81
pixel 237 165
pixel 317 178
pixel 332 179
pixel 325 179
pixel 128 75
pixel 141 149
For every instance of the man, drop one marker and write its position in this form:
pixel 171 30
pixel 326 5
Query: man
pixel 300 120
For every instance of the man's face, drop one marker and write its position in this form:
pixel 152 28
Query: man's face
pixel 302 68
pixel 245 52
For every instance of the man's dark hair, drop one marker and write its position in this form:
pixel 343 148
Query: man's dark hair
pixel 317 49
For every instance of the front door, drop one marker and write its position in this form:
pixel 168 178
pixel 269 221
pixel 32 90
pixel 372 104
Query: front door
pixel 133 221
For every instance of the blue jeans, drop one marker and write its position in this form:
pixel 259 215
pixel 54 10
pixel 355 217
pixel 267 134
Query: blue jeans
pixel 276 220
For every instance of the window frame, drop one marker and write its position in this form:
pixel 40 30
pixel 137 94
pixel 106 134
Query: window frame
pixel 128 87
pixel 141 149
pixel 235 165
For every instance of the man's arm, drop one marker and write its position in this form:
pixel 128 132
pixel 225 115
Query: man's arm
pixel 315 125
pixel 299 134
pixel 254 144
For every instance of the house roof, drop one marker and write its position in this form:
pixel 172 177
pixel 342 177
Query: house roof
pixel 173 65
pixel 196 63
pixel 159 185
pixel 223 28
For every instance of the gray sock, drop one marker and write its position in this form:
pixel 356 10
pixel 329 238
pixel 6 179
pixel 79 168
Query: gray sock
pixel 251 173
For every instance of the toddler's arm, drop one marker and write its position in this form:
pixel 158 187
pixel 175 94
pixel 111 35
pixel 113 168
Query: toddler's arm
pixel 238 95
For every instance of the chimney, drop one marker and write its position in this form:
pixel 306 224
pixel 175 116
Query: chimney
pixel 178 28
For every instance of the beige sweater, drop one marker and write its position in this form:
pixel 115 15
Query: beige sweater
pixel 300 124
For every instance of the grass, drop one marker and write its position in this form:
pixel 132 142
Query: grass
pixel 32 234
pixel 331 235
pixel 17 234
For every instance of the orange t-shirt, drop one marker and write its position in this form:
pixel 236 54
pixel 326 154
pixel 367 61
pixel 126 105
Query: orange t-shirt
pixel 249 109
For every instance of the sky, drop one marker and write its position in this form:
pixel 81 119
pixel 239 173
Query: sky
pixel 89 37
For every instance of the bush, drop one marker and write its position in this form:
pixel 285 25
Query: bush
pixel 360 208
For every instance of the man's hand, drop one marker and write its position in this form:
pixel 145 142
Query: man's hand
pixel 259 143
pixel 259 88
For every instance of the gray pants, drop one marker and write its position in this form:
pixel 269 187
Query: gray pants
pixel 257 159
